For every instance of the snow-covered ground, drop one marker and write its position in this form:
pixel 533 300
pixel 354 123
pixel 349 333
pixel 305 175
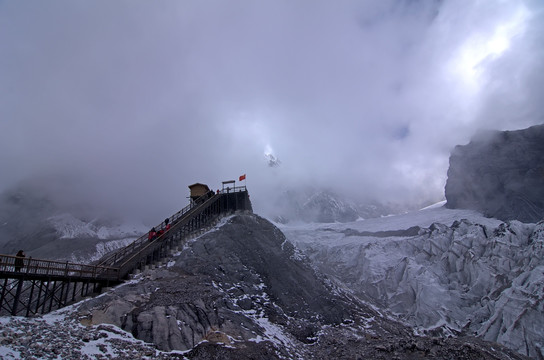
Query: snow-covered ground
pixel 442 271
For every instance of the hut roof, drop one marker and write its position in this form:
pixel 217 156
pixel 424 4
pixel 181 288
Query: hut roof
pixel 199 185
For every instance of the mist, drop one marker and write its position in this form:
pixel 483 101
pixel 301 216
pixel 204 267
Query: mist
pixel 124 104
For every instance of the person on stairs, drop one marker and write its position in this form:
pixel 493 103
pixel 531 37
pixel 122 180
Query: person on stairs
pixel 152 234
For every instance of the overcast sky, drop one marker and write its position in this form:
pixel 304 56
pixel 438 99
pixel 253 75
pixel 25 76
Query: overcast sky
pixel 131 101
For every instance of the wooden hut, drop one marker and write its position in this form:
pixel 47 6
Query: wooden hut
pixel 198 189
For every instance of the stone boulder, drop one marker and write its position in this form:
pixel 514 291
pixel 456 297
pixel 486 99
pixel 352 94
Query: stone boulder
pixel 500 174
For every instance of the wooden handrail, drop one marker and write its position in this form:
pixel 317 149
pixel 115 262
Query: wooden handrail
pixel 143 241
pixel 208 201
pixel 30 266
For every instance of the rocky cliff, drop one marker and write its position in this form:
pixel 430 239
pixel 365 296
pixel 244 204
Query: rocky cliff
pixel 500 174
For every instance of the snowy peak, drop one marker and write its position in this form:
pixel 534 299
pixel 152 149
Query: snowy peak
pixel 68 226
pixel 31 219
pixel 326 208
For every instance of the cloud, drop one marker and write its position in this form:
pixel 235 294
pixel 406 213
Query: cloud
pixel 139 100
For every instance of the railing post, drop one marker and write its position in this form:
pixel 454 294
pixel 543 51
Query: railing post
pixel 28 264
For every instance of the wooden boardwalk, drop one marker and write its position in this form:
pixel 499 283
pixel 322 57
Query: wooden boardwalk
pixel 36 286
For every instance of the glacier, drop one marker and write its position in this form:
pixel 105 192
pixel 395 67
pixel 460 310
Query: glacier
pixel 442 271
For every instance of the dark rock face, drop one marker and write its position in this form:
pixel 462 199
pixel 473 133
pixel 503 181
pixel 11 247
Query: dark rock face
pixel 500 174
pixel 242 291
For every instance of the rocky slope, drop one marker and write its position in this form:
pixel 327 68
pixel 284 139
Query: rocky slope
pixel 500 174
pixel 463 277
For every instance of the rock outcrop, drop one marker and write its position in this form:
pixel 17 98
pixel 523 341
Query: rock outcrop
pixel 500 174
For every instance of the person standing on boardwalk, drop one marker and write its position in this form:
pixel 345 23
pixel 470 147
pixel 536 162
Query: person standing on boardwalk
pixel 19 260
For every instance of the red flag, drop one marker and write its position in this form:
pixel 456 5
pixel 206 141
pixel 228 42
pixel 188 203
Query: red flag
pixel 243 177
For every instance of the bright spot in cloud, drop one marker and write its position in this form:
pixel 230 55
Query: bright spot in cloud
pixel 251 128
pixel 268 150
pixel 484 47
pixel 271 159
pixel 498 45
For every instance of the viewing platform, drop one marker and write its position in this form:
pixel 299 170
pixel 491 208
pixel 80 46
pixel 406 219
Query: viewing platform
pixel 35 286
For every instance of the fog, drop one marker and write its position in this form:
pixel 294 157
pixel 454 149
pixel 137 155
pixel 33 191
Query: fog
pixel 122 104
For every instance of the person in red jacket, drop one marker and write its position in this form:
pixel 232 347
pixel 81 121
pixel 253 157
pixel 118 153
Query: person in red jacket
pixel 166 224
pixel 152 234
